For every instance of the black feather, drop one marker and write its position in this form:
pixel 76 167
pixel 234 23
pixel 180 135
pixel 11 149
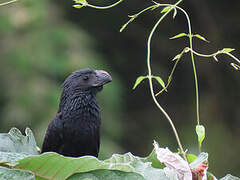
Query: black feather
pixel 75 131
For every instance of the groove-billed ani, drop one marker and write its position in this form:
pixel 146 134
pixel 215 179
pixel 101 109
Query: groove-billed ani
pixel 75 129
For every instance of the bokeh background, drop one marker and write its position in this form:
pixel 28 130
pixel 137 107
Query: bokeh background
pixel 42 42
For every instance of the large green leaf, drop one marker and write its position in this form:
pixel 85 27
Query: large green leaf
pixel 18 152
pixel 22 164
pixel 13 174
pixel 230 177
pixel 15 142
pixel 106 175
pixel 140 165
pixel 11 157
pixel 150 173
pixel 54 166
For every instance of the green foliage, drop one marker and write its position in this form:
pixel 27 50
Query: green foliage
pixel 235 66
pixel 160 81
pixel 13 174
pixel 201 158
pixel 191 157
pixel 36 60
pixel 53 166
pixel 106 175
pixel 15 142
pixel 227 50
pixel 139 80
pixel 165 9
pixel 80 3
pixel 28 165
pixel 179 36
pixel 83 3
pixel 229 177
pixel 200 37
pixel 200 130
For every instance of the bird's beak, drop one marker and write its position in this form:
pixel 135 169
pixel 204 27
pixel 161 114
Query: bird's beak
pixel 102 78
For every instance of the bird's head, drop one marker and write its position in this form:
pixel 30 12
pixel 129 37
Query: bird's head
pixel 86 80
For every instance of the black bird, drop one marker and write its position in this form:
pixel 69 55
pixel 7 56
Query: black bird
pixel 75 130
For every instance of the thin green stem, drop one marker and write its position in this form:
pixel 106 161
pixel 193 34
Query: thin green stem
pixel 104 7
pixel 9 2
pixel 144 10
pixel 232 56
pixel 193 63
pixel 152 7
pixel 169 78
pixel 150 79
pixel 214 54
pixel 133 17
pixel 203 55
pixel 194 69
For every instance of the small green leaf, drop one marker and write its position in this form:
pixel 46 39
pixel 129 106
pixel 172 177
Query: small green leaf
pixel 155 7
pixel 202 158
pixel 235 66
pixel 178 56
pixel 129 21
pixel 200 130
pixel 174 13
pixel 166 9
pixel 200 37
pixel 80 3
pixel 227 50
pixel 179 35
pixel 123 27
pixel 191 157
pixel 154 160
pixel 138 81
pixel 78 6
pixel 133 16
pixel 160 81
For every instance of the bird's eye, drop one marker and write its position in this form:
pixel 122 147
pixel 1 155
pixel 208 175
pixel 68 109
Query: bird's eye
pixel 85 78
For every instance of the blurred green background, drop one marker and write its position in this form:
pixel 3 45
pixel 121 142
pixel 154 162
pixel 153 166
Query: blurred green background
pixel 42 42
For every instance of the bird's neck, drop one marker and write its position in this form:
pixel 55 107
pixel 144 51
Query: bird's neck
pixel 81 108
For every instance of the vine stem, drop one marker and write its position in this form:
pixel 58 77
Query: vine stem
pixel 203 55
pixel 232 56
pixel 9 2
pixel 193 63
pixel 194 69
pixel 104 7
pixel 150 80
